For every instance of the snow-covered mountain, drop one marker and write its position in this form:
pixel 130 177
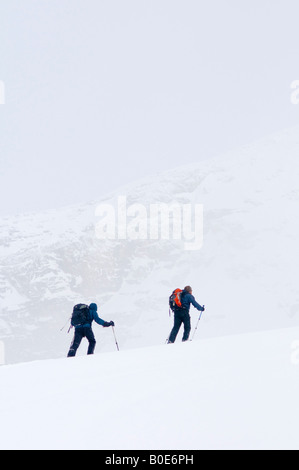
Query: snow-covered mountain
pixel 245 273
pixel 233 392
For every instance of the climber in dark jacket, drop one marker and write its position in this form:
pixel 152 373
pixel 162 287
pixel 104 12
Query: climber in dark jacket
pixel 182 316
pixel 85 331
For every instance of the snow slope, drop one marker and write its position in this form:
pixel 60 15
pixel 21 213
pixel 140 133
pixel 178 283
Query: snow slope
pixel 246 273
pixel 234 392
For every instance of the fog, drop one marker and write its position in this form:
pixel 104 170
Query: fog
pixel 98 93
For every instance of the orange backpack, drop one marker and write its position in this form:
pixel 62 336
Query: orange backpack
pixel 175 299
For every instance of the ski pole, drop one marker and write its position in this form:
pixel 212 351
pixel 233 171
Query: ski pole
pixel 115 338
pixel 197 325
pixel 61 329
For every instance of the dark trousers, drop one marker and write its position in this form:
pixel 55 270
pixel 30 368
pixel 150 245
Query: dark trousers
pixel 180 317
pixel 80 333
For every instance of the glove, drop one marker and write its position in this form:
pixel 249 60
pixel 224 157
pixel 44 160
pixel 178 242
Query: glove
pixel 108 323
pixel 203 309
pixel 112 323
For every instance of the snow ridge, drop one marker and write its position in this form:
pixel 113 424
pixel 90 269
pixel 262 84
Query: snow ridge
pixel 234 392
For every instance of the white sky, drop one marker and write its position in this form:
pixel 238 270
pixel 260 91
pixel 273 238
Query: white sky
pixel 102 92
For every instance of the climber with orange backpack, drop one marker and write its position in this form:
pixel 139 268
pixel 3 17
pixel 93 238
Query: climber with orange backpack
pixel 180 302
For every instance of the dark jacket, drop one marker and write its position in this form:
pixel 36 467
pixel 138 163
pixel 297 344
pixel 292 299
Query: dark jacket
pixel 187 299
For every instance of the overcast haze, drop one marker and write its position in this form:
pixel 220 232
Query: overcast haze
pixel 101 93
